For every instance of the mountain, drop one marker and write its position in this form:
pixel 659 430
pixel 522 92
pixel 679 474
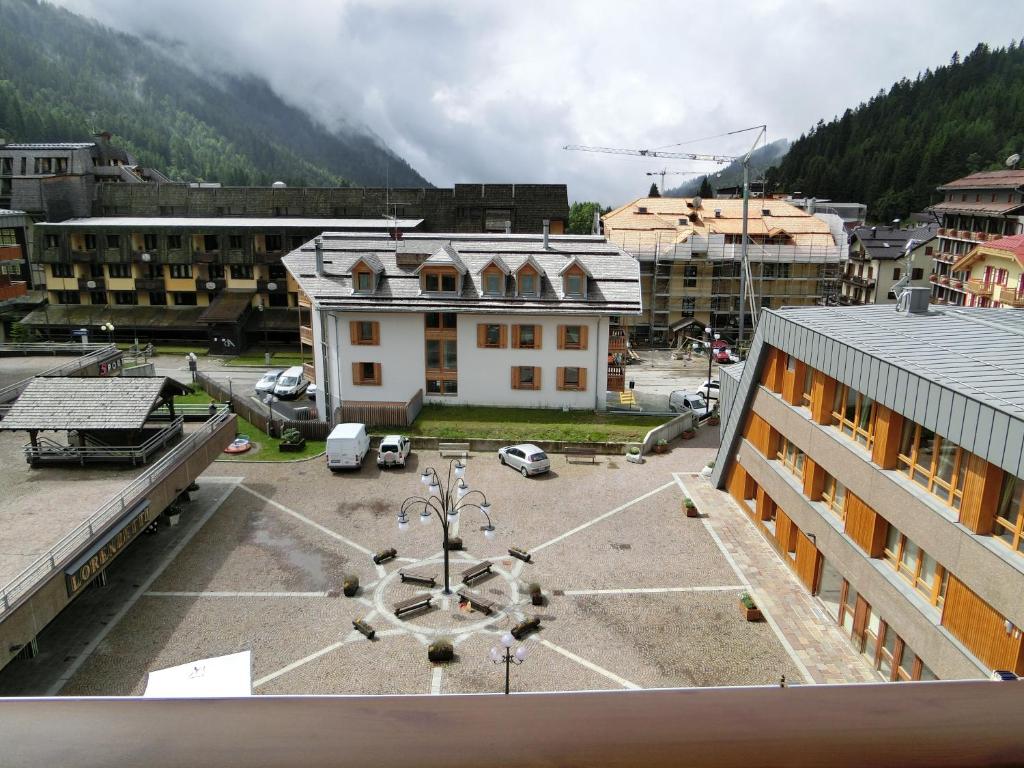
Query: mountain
pixel 894 150
pixel 732 175
pixel 64 77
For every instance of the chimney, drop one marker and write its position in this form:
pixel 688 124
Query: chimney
pixel 319 245
pixel 508 227
pixel 547 231
pixel 873 231
pixel 596 228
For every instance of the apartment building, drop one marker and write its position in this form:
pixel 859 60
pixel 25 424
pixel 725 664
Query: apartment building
pixel 505 320
pixel 975 209
pixel 991 273
pixel 878 259
pixel 13 251
pixel 689 251
pixel 880 452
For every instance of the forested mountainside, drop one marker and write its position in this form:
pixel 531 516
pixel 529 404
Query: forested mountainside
pixel 893 151
pixel 732 175
pixel 63 77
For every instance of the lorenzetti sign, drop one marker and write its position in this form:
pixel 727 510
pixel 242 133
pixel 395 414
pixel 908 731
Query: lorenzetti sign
pixel 86 568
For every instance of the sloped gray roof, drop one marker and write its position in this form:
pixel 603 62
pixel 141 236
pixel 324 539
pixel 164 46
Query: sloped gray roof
pixel 614 288
pixel 887 244
pixel 88 403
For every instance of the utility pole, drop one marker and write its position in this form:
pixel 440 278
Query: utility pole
pixel 745 265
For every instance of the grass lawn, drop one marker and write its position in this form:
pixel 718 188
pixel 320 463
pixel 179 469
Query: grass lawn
pixel 265 448
pixel 277 359
pixel 167 349
pixel 523 424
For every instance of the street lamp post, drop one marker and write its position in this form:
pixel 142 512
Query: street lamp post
pixel 507 656
pixel 711 337
pixel 269 400
pixel 109 328
pixel 446 501
pixel 266 344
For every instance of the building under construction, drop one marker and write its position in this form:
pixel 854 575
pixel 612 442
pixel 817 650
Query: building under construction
pixel 690 254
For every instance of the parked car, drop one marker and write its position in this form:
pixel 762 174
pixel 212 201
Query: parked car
pixel 311 392
pixel 681 401
pixel 291 384
pixel 269 380
pixel 393 451
pixel 725 356
pixel 527 458
pixel 347 446
pixel 709 389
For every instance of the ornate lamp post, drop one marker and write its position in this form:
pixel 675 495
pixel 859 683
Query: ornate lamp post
pixel 446 501
pixel 712 336
pixel 508 656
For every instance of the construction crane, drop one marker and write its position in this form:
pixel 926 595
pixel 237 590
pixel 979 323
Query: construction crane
pixel 666 172
pixel 720 159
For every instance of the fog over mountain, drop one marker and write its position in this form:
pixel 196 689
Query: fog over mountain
pixel 491 91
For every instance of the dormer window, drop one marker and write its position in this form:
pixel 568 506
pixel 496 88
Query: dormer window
pixel 494 283
pixel 440 281
pixel 364 282
pixel 528 285
pixel 573 285
pixel 574 279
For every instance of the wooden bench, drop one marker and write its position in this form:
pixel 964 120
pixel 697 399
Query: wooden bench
pixel 417 576
pixel 525 627
pixel 454 449
pixel 476 571
pixel 366 629
pixel 478 602
pixel 421 600
pixel 580 453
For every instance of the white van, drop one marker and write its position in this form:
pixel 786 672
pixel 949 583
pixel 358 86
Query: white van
pixel 681 401
pixel 347 446
pixel 291 384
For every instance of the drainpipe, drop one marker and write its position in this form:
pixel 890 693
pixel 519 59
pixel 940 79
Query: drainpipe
pixel 597 364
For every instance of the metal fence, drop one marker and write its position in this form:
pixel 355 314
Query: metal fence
pixel 52 452
pixel 101 353
pixel 25 582
pixel 51 348
pixel 311 429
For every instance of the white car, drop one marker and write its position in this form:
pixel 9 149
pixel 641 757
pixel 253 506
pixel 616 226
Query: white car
pixel 527 458
pixel 709 389
pixel 393 451
pixel 681 401
pixel 311 391
pixel 291 384
pixel 266 384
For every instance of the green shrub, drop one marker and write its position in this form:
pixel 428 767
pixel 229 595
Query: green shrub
pixel 291 436
pixel 350 585
pixel 689 502
pixel 748 601
pixel 441 650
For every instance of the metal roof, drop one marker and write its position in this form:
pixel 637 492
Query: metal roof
pixel 1007 179
pixel 52 145
pixel 88 403
pixel 232 222
pixel 884 244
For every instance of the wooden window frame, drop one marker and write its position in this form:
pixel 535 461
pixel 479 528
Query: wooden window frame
pixel 357 278
pixel 527 270
pixel 576 272
pixel 492 271
pixel 517 382
pixel 791 457
pixel 482 341
pixel 829 497
pixel 358 374
pixel 840 422
pixel 581 379
pixel 1015 530
pixel 440 274
pixel 356 337
pixel 927 477
pixel 807 388
pixel 563 337
pixel 538 333
pixel 910 570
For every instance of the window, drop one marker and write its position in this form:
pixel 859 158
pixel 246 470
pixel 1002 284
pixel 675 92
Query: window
pixel 68 297
pixel 440 320
pixel 363 281
pixel 442 387
pixel 181 271
pixel 113 241
pixel 808 385
pixel 126 297
pixel 89 242
pixel 273 242
pixel 215 271
pixel 573 285
pixel 494 284
pixel 444 282
pixel 182 299
pixel 366 374
pixel 241 272
pixel 775 270
pixel 852 414
pixel 833 496
pixel 277 300
pixel 8 237
pixel 792 457
pixel 364 332
pixel 442 355
pixel 1008 526
pixel 490 336
pixel 916 566
pixel 277 272
pixel 916 273
pixel 690 277
pixel 174 242
pixel 149 242
pixel 689 306
pixel 119 270
pixel 157 299
pixel 525 377
pixel 96 297
pixel 572 337
pixel 526 336
pixel 235 242
pixel 896 273
pixel 96 270
pixel 572 379
pixel 62 270
pixel 930 461
pixel 527 285
pixel 52 241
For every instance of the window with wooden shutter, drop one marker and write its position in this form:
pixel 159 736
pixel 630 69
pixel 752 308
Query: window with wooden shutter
pixel 364 332
pixel 572 337
pixel 572 379
pixel 526 336
pixel 525 377
pixel 366 374
pixel 491 336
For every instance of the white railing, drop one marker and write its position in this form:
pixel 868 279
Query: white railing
pixel 23 584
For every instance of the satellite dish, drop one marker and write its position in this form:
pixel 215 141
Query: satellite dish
pixel 1012 160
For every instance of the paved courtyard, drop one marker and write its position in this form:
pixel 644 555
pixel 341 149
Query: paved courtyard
pixel 637 594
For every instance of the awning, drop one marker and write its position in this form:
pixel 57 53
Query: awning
pixel 228 307
pixel 122 317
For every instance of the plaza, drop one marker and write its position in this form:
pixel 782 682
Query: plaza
pixel 637 595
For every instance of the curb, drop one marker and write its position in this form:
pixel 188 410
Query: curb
pixel 266 461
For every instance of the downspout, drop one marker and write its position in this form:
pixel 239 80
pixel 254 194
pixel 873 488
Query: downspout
pixel 597 364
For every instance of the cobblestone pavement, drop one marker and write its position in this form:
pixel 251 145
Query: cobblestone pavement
pixel 637 595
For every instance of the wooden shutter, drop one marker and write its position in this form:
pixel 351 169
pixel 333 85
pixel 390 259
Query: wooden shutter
pixel 982 484
pixel 793 382
pixel 814 479
pixel 561 337
pixel 515 337
pixel 888 429
pixel 355 374
pixel 583 336
pixel 537 335
pixel 481 335
pixel 353 331
pixel 865 526
pixel 807 562
pixel 376 332
pixel 536 377
pixel 376 373
pixel 823 392
pixel 981 628
pixel 583 379
pixel 504 336
pixel 515 377
pixel 561 377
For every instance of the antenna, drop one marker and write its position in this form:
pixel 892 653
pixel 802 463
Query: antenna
pixel 1012 160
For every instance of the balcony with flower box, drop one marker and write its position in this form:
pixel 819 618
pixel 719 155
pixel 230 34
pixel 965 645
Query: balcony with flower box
pixel 979 288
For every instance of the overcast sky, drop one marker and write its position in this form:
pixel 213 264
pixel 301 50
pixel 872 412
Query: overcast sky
pixel 491 91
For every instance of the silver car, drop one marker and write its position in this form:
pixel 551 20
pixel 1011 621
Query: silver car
pixel 527 458
pixel 269 381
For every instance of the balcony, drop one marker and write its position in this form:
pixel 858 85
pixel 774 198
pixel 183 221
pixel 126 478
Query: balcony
pixel 149 283
pixel 306 335
pixel 83 255
pixel 12 289
pixel 309 371
pixel 10 253
pixel 616 340
pixel 863 282
pixel 978 287
pixel 206 257
pixel 1007 296
pixel 304 300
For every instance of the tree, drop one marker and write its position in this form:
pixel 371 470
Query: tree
pixel 654 190
pixel 706 190
pixel 581 217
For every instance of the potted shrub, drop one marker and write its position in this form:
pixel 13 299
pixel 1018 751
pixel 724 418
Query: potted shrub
pixel 536 596
pixel 713 419
pixel 706 472
pixel 689 434
pixel 350 585
pixel 661 446
pixel 749 608
pixel 633 455
pixel 292 441
pixel 440 650
pixel 690 507
pixel 173 514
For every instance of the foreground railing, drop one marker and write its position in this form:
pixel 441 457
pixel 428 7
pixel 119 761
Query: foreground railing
pixel 23 584
pixel 100 353
pixel 46 450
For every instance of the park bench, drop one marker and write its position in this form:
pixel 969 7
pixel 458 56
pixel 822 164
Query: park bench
pixel 580 453
pixel 454 449
pixel 417 576
pixel 478 602
pixel 366 629
pixel 476 571
pixel 525 627
pixel 421 600
pixel 384 555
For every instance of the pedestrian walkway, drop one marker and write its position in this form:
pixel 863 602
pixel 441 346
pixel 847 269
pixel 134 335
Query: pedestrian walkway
pixel 817 641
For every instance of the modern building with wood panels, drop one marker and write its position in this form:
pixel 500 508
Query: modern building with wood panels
pixel 882 453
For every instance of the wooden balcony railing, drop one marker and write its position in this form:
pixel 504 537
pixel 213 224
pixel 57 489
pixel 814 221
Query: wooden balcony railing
pixel 978 287
pixel 309 371
pixel 306 335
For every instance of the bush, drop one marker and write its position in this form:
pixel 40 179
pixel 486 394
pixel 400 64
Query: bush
pixel 748 601
pixel 663 442
pixel 689 502
pixel 291 436
pixel 533 588
pixel 711 464
pixel 633 450
pixel 350 585
pixel 440 650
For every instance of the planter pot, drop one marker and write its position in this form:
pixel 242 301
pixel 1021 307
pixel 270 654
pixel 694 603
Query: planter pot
pixel 660 448
pixel 714 421
pixel 691 511
pixel 751 614
pixel 292 447
pixel 688 435
pixel 173 519
pixel 537 598
pixel 350 590
pixel 634 458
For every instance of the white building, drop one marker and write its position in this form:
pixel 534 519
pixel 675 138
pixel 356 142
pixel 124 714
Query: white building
pixel 503 320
